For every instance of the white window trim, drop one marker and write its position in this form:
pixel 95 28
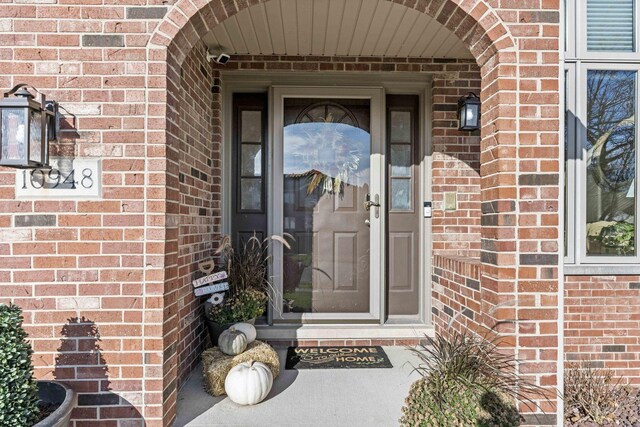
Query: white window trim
pixel 578 61
pixel 576 23
pixel 570 161
pixel 577 172
pixel 582 257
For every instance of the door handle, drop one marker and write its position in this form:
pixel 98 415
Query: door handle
pixel 368 204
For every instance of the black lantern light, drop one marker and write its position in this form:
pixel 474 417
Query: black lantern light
pixel 469 112
pixel 26 128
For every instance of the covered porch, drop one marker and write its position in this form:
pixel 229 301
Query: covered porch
pixel 319 398
pixel 483 254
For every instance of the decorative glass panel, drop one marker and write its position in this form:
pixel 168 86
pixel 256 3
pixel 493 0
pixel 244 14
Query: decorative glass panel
pixel 400 126
pixel 401 160
pixel 610 25
pixel 400 194
pixel 35 137
pixel 13 133
pixel 251 194
pixel 611 163
pixel 251 126
pixel 337 114
pixel 251 160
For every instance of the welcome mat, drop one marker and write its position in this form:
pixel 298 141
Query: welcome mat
pixel 339 357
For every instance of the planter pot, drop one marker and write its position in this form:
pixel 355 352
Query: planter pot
pixel 60 395
pixel 215 329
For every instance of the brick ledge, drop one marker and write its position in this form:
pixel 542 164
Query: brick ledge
pixel 468 266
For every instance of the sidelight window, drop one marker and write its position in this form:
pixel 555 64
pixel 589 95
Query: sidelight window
pixel 610 163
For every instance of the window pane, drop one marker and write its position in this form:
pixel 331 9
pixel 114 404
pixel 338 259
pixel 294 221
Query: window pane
pixel 13 133
pixel 400 194
pixel 251 194
pixel 401 160
pixel 400 126
pixel 35 137
pixel 611 162
pixel 251 160
pixel 610 25
pixel 251 126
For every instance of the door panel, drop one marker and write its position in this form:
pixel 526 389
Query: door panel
pixel 401 266
pixel 404 213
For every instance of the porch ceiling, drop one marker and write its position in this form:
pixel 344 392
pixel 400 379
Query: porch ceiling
pixel 335 28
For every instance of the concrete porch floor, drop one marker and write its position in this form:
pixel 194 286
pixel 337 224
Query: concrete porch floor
pixel 323 397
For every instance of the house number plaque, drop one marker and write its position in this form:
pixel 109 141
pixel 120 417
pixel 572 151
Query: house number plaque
pixel 68 179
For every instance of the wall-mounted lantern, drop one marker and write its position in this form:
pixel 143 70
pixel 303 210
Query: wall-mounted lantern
pixel 469 112
pixel 26 128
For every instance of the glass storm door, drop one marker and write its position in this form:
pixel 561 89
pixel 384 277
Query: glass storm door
pixel 327 194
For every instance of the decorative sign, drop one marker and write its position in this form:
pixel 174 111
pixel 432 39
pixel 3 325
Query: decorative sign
pixel 216 299
pixel 207 266
pixel 206 290
pixel 68 178
pixel 220 275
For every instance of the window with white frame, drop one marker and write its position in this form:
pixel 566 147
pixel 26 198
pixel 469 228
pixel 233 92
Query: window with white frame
pixel 602 63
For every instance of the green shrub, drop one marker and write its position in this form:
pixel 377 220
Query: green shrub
pixel 467 381
pixel 18 390
pixel 619 236
pixel 465 407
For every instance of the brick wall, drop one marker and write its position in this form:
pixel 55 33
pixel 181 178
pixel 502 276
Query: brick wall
pixel 456 294
pixel 193 228
pixel 98 267
pixel 602 323
pixel 455 166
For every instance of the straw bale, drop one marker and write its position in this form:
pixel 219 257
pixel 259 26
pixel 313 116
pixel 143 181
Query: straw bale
pixel 216 364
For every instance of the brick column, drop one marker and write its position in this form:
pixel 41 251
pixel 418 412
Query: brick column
pixel 520 195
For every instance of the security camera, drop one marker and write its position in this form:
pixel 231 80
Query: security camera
pixel 221 59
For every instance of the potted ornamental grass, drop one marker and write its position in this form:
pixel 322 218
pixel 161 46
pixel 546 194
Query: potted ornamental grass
pixel 249 286
pixel 467 380
pixel 24 401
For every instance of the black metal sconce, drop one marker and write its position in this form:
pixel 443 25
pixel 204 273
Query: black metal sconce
pixel 26 128
pixel 469 112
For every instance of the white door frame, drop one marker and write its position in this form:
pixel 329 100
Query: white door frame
pixel 377 177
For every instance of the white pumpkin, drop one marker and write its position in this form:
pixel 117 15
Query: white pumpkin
pixel 248 383
pixel 232 342
pixel 248 329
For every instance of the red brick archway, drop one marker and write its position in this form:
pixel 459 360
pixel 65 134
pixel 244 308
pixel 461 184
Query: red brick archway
pixel 519 153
